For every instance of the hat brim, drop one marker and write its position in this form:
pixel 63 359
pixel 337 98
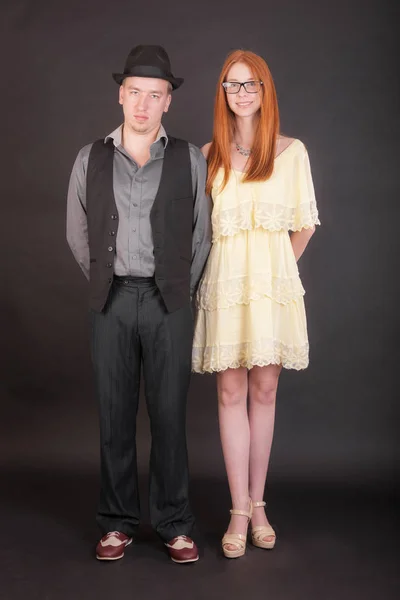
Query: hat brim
pixel 176 82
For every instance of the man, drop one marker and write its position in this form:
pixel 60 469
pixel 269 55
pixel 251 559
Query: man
pixel 138 224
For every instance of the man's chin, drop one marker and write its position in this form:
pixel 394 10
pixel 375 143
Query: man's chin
pixel 140 127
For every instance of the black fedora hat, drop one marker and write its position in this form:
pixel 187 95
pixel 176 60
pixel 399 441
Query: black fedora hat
pixel 148 61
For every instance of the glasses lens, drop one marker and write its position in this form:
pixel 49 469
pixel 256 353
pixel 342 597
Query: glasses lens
pixel 231 87
pixel 252 87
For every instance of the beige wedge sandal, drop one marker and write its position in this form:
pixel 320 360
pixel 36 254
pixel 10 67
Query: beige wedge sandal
pixel 236 539
pixel 259 533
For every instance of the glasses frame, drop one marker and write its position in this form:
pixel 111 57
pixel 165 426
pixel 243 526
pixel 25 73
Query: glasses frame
pixel 244 83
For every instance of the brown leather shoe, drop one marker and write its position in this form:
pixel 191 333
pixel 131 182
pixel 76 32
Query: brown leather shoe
pixel 112 546
pixel 182 549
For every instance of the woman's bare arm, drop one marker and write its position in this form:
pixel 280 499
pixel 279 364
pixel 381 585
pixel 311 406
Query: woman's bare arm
pixel 205 149
pixel 300 239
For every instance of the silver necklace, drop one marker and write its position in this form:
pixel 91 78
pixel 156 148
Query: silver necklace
pixel 243 151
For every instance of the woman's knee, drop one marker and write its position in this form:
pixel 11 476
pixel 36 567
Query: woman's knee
pixel 232 390
pixel 231 397
pixel 262 389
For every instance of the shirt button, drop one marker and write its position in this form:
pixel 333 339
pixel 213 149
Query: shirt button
pixel 134 204
pixel 134 229
pixel 134 257
pixel 110 248
pixel 113 217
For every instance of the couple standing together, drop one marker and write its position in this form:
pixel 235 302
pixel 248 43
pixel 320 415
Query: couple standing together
pixel 140 226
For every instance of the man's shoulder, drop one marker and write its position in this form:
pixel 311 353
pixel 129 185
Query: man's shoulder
pixel 196 155
pixel 83 154
pixel 194 150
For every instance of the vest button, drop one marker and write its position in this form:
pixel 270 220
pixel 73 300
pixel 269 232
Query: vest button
pixel 109 265
pixel 110 248
pixel 111 233
pixel 113 217
pixel 109 280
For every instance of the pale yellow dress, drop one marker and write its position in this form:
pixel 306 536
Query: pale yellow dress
pixel 250 306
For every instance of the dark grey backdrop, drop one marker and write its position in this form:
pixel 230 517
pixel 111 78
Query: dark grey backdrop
pixel 335 70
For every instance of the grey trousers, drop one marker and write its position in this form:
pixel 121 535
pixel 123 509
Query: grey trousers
pixel 135 329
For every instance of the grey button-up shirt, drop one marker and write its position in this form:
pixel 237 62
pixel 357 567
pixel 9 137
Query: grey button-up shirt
pixel 135 189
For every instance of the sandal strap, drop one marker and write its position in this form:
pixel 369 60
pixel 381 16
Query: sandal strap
pixel 236 539
pixel 257 504
pixel 262 531
pixel 243 513
pixel 235 536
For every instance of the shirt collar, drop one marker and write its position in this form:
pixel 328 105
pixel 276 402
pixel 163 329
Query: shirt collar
pixel 116 137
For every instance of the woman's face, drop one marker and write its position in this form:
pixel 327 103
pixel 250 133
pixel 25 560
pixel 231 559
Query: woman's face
pixel 243 103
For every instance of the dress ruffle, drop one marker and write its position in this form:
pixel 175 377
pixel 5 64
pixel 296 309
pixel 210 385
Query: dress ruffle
pixel 247 267
pixel 259 353
pixel 280 203
pixel 271 217
pixel 242 290
pixel 260 333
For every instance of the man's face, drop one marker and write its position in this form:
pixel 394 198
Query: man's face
pixel 143 101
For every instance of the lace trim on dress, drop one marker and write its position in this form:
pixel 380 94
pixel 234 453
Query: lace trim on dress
pixel 242 290
pixel 272 217
pixel 249 354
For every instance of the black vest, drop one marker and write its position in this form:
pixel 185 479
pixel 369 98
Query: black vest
pixel 171 220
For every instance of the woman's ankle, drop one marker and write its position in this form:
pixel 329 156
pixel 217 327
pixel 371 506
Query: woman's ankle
pixel 241 502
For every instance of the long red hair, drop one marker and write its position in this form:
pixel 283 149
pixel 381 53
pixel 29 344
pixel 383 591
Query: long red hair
pixel 261 160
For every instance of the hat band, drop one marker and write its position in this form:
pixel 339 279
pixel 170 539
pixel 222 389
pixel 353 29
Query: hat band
pixel 150 71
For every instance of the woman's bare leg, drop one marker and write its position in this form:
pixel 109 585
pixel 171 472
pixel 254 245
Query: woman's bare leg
pixel 263 384
pixel 235 439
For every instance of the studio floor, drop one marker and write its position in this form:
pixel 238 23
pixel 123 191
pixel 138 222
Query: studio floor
pixel 334 542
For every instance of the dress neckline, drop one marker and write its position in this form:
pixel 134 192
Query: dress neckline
pixel 276 157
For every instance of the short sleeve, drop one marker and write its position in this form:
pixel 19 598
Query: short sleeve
pixel 306 212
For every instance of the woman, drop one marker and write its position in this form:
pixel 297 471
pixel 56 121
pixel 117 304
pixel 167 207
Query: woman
pixel 251 320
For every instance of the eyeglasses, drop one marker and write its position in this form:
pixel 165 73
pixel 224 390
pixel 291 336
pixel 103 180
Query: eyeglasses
pixel 233 87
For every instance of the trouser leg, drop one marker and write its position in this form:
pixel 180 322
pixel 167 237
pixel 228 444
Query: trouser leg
pixel 116 359
pixel 166 340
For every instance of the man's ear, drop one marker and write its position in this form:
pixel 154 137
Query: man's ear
pixel 168 103
pixel 121 94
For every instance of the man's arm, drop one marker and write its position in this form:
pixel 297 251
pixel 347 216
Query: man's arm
pixel 201 243
pixel 77 230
